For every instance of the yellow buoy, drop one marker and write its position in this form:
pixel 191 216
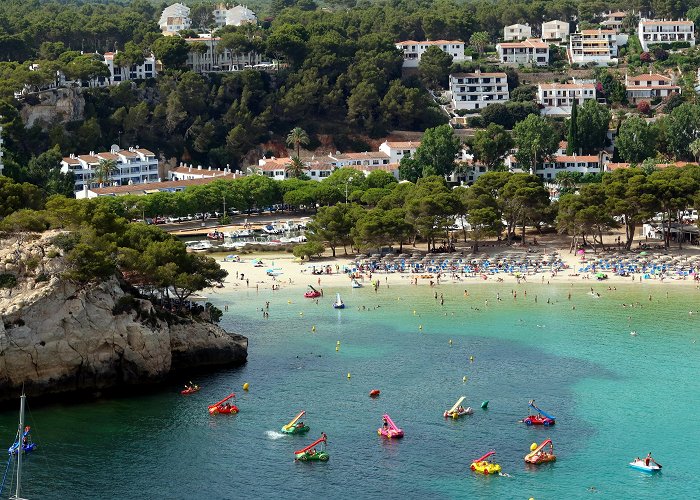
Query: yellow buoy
pixel 348 374
pixel 338 342
pixel 450 341
pixel 301 313
pixel 533 446
pixel 313 328
pixel 420 327
pixel 337 348
pixel 246 386
pixel 464 379
pixel 471 359
pixel 414 312
pixel 289 302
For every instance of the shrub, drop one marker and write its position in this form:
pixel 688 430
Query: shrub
pixel 8 280
pixel 645 57
pixel 52 254
pixel 41 277
pixel 644 107
pixel 125 303
pixel 214 312
pixel 65 241
pixel 308 250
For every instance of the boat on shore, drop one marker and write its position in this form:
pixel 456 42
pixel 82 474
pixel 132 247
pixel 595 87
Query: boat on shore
pixel 389 429
pixel 458 410
pixel 537 454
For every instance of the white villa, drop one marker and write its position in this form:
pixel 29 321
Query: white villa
pixel 174 19
pixel 412 50
pixel 147 69
pixel 517 32
pixel 531 51
pixel 133 166
pixel 478 90
pixel 557 99
pixel 235 16
pixel 662 31
pixel 399 149
pixel 340 160
pixel 613 20
pixel 186 173
pixel 649 86
pixel 555 30
pixel 593 46
pixel 214 60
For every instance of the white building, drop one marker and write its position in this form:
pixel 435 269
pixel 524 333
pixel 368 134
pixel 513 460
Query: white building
pixel 548 170
pixel 412 50
pixel 235 16
pixel 593 46
pixel 649 86
pixel 613 20
pixel 133 166
pixel 661 31
pixel 531 51
pixel 213 60
pixel 555 30
pixel 556 99
pixel 186 173
pixel 118 74
pixel 517 32
pixel 478 90
pixel 340 160
pixel 174 19
pixel 399 149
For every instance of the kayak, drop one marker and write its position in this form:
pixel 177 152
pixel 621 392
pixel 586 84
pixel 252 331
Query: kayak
pixel 190 390
pixel 374 393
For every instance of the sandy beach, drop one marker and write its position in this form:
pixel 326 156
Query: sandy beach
pixel 253 270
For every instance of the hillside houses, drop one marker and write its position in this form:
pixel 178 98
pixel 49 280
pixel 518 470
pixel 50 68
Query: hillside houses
pixel 665 32
pixel 412 50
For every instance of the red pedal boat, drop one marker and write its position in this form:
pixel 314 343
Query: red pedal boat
pixel 312 293
pixel 223 407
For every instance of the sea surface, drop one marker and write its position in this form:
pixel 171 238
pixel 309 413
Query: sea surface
pixel 615 396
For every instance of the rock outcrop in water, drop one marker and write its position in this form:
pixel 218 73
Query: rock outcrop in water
pixel 59 337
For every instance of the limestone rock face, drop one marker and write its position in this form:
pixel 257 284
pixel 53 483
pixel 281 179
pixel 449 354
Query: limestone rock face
pixel 57 337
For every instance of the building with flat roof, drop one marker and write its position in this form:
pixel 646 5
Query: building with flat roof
pixel 131 166
pixel 555 30
pixel 412 50
pixel 664 32
pixel 531 51
pixel 597 46
pixel 477 90
pixel 556 99
pixel 175 18
pixel 517 32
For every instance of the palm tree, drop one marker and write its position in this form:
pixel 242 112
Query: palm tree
pixel 295 168
pixel 694 148
pixel 104 171
pixel 296 138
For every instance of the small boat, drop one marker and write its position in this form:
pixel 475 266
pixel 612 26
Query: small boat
pixel 483 466
pixel 542 417
pixel 647 465
pixel 240 233
pixel 356 284
pixel 199 246
pixel 312 293
pixel 634 333
pixel 389 428
pixel 215 235
pixel 374 393
pixel 295 426
pixel 223 407
pixel 27 444
pixel 338 304
pixel 537 456
pixel 190 389
pixel 458 410
pixel 310 453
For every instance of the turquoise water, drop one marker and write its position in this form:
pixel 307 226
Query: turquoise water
pixel 615 397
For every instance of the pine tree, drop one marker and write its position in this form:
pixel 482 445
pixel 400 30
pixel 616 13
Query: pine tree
pixel 572 136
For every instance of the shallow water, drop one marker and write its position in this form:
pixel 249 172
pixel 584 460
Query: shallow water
pixel 615 396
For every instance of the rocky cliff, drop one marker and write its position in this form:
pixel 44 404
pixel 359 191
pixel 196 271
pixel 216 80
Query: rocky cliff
pixel 58 337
